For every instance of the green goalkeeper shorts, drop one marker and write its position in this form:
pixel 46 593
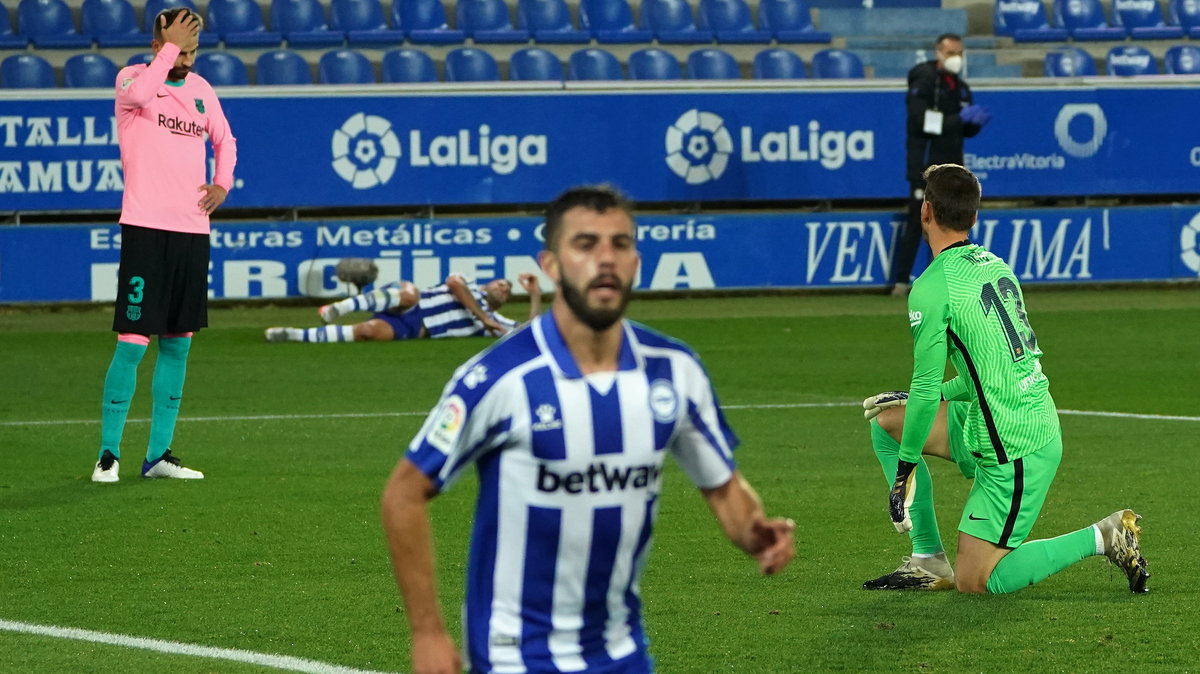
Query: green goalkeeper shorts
pixel 1006 499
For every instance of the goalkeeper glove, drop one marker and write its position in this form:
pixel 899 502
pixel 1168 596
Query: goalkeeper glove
pixel 901 496
pixel 877 403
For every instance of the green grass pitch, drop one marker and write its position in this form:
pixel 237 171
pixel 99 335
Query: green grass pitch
pixel 279 550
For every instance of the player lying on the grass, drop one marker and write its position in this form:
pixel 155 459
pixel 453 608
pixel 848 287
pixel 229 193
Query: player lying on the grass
pixel 457 308
pixel 995 420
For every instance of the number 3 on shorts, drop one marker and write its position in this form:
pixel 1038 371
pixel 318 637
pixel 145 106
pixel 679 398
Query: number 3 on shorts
pixel 137 284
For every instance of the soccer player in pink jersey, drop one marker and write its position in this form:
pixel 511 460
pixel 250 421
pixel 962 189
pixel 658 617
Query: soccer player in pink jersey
pixel 163 112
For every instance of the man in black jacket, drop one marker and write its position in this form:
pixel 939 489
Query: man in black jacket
pixel 941 112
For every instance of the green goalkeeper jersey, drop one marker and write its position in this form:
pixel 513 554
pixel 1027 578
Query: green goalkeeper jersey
pixel 968 305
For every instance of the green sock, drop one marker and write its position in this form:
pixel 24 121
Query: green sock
pixel 925 537
pixel 119 385
pixel 169 372
pixel 1035 561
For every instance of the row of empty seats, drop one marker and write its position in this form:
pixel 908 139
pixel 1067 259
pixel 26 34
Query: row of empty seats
pixel 466 64
pixel 304 23
pixel 1085 20
pixel 1124 61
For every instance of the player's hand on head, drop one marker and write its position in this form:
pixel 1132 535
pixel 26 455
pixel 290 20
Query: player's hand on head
pixel 774 544
pixel 879 402
pixel 214 196
pixel 434 653
pixel 180 31
pixel 900 498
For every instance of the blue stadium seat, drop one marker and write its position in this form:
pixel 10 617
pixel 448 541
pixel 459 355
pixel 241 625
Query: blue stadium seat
pixel 1025 21
pixel 467 64
pixel 408 65
pixel 790 22
pixel 837 64
pixel 713 64
pixel 1143 20
pixel 208 37
pixel 1130 61
pixel 362 22
pixel 593 64
pixel 1069 62
pixel 654 64
pixel 112 23
pixel 140 58
pixel 729 20
pixel 425 22
pixel 487 22
pixel 240 23
pixel 303 24
pixel 49 25
pixel 535 65
pixel 549 21
pixel 27 71
pixel 1186 14
pixel 221 69
pixel 8 39
pixel 344 66
pixel 1182 60
pixel 282 67
pixel 1085 21
pixel 778 64
pixel 93 71
pixel 672 22
pixel 610 21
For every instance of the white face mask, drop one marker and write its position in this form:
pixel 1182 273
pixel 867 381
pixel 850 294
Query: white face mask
pixel 954 64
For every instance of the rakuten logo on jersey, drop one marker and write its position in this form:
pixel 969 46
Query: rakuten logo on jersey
pixel 180 127
pixel 598 478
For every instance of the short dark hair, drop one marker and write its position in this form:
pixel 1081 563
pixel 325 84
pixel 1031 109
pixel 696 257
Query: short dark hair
pixel 953 193
pixel 596 198
pixel 172 14
pixel 946 36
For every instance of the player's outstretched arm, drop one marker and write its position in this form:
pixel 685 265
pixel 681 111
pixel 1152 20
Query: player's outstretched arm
pixel 740 513
pixel 530 283
pixel 406 525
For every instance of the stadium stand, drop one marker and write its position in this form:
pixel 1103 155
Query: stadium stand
pixel 654 64
pixel 140 57
pixel 1130 61
pixel 239 23
pixel 535 64
pixel 26 71
pixel 1182 60
pixel 344 66
pixel 1025 21
pixel 837 64
pixel 610 21
pixel 208 37
pixel 362 22
pixel 8 39
pixel 923 22
pixel 1186 14
pixel 112 23
pixel 280 67
pixel 94 71
pixel 468 64
pixel 729 21
pixel 1085 21
pixel 549 21
pixel 672 22
pixel 712 64
pixel 778 64
pixel 1069 62
pixel 593 64
pixel 408 65
pixel 303 24
pixel 789 21
pixel 1143 20
pixel 425 22
pixel 487 21
pixel 48 25
pixel 221 69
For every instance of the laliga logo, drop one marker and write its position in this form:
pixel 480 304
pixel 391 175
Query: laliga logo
pixel 365 151
pixel 698 147
pixel 1189 242
pixel 1062 129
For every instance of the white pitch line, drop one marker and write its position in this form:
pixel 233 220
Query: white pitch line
pixel 176 648
pixel 383 415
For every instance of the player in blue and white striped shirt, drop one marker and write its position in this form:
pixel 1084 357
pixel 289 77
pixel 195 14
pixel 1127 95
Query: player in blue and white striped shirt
pixel 457 308
pixel 567 421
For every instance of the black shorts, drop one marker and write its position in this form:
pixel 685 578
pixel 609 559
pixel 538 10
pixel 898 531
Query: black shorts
pixel 162 284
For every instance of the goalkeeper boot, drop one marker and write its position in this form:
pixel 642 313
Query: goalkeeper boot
pixel 1121 534
pixel 106 468
pixel 168 465
pixel 917 573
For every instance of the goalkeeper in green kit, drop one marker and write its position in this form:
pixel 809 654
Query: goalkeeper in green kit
pixel 995 420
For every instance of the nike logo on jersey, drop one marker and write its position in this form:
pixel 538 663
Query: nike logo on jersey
pixel 117 402
pixel 163 95
pixel 174 397
pixel 977 519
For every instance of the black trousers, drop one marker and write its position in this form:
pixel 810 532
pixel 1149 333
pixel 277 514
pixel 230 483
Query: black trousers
pixel 910 235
